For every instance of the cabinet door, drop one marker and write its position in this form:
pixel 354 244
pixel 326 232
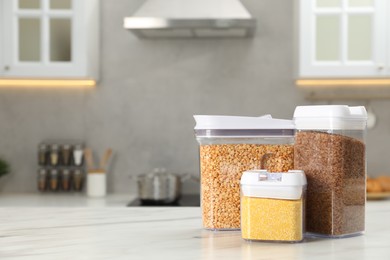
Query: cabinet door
pixel 42 38
pixel 343 38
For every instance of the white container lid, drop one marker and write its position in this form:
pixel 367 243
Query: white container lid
pixel 214 126
pixel 281 185
pixel 338 117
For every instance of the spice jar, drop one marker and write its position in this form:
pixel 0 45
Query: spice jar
pixel 78 180
pixel 42 179
pixel 42 154
pixel 65 179
pixel 78 154
pixel 273 205
pixel 54 155
pixel 66 154
pixel 230 145
pixel 54 178
pixel 330 148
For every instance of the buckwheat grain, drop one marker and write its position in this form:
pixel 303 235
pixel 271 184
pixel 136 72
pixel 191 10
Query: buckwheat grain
pixel 335 169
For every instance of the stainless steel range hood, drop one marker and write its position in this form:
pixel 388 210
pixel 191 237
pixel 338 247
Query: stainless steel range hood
pixel 191 18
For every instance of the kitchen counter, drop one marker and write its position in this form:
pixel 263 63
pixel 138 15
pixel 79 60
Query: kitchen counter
pixel 166 233
pixel 63 200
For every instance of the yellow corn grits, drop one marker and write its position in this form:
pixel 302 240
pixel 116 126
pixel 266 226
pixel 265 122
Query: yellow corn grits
pixel 271 219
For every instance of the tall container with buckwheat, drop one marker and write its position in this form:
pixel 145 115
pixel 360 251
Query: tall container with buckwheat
pixel 230 145
pixel 330 148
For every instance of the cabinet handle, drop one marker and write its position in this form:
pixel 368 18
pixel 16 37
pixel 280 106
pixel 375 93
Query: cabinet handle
pixel 6 67
pixel 381 67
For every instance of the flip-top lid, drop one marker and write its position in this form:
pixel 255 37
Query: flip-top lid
pixel 330 117
pixel 212 125
pixel 281 185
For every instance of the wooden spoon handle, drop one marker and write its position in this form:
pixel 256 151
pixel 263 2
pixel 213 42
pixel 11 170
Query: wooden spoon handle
pixel 89 158
pixel 106 158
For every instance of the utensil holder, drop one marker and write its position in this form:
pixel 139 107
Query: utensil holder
pixel 96 184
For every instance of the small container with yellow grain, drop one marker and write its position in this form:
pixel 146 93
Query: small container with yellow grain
pixel 273 206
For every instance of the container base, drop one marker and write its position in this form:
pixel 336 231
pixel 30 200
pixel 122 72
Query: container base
pixel 221 229
pixel 316 235
pixel 273 241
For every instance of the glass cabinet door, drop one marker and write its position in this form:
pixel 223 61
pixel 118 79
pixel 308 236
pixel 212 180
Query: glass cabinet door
pixel 60 40
pixel 343 38
pixel 41 37
pixel 44 30
pixel 29 43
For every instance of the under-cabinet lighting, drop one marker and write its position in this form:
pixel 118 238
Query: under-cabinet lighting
pixel 342 82
pixel 48 83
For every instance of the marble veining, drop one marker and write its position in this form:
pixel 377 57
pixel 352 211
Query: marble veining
pixel 166 233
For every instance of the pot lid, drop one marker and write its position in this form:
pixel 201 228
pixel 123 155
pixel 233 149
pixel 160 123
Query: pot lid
pixel 157 173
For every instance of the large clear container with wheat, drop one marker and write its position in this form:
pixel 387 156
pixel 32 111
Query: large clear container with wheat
pixel 230 145
pixel 330 148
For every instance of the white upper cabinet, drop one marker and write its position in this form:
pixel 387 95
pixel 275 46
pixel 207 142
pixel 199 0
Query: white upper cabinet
pixel 344 38
pixel 49 39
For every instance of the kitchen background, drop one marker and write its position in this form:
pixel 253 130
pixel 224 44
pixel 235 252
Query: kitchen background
pixel 149 90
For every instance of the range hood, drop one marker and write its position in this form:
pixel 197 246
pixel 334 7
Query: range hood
pixel 191 18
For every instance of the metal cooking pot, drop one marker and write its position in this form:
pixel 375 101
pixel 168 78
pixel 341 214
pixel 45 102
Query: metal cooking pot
pixel 160 186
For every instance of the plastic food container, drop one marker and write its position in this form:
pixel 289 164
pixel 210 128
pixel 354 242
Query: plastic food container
pixel 230 145
pixel 273 206
pixel 330 148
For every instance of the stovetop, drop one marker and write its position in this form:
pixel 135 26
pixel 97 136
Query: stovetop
pixel 186 200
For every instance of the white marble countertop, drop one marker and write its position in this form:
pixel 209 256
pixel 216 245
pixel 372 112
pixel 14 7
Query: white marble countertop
pixel 63 200
pixel 166 233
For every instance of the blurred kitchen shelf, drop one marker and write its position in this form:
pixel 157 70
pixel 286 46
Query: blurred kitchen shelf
pixel 344 89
